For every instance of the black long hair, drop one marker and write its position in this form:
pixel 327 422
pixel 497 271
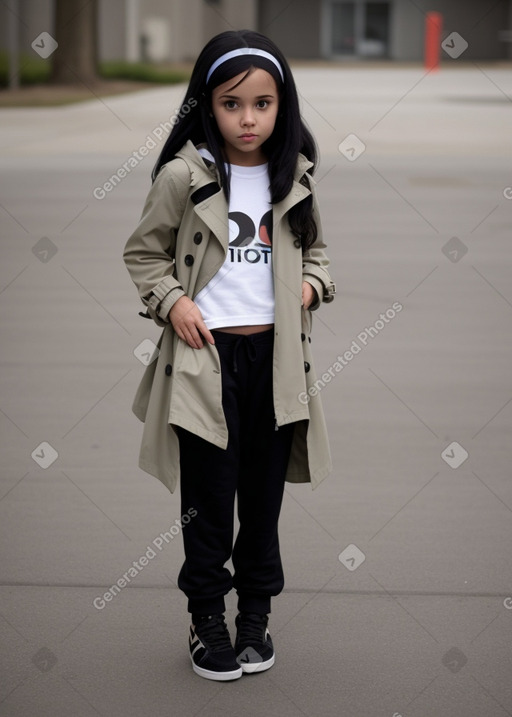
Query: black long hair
pixel 195 122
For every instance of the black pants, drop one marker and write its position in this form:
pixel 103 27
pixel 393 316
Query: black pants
pixel 253 468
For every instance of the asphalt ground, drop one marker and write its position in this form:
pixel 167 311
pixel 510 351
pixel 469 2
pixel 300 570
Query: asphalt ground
pixel 398 588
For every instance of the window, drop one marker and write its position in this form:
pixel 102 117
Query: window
pixel 358 28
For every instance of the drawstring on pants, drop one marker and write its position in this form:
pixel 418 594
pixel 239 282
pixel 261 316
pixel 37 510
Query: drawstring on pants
pixel 249 347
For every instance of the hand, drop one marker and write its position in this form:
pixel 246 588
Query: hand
pixel 188 323
pixel 309 294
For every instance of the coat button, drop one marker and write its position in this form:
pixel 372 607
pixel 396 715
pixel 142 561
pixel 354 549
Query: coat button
pixel 297 243
pixel 189 260
pixel 303 337
pixel 168 369
pixel 198 238
pixel 306 366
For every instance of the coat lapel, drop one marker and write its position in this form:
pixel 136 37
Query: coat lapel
pixel 296 195
pixel 298 191
pixel 212 209
pixel 213 212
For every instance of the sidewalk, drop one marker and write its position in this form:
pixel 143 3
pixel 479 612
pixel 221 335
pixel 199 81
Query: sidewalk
pixel 398 593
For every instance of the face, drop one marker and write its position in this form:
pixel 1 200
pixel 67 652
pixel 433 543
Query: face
pixel 246 114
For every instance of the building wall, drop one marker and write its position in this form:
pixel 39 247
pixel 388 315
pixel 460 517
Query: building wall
pixel 509 31
pixel 112 45
pixel 186 29
pixel 479 24
pixel 181 22
pixel 186 25
pixel 35 17
pixel 178 29
pixel 222 15
pixel 293 26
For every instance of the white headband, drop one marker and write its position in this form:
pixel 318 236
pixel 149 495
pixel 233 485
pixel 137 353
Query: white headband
pixel 239 53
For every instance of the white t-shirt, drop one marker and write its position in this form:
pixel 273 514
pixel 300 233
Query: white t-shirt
pixel 242 291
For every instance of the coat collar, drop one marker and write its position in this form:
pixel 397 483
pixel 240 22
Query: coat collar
pixel 213 209
pixel 189 153
pixel 201 169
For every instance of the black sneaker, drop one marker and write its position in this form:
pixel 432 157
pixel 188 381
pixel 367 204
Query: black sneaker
pixel 253 644
pixel 211 651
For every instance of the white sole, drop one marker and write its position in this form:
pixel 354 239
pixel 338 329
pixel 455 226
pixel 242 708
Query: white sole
pixel 251 667
pixel 218 676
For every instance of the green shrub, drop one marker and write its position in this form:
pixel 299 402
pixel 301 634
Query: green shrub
pixel 34 70
pixel 141 72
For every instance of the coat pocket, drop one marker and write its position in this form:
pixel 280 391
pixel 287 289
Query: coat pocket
pixel 196 397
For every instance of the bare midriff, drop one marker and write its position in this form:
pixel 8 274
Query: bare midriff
pixel 246 330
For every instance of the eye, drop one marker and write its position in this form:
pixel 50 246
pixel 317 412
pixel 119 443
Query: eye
pixel 262 104
pixel 230 104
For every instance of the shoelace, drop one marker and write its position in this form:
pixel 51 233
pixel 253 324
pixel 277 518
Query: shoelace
pixel 214 633
pixel 251 628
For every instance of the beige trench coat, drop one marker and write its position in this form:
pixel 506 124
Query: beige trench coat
pixel 178 246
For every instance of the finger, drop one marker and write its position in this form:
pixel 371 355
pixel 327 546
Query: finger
pixel 191 341
pixel 180 333
pixel 206 333
pixel 195 338
pixel 184 334
pixel 202 330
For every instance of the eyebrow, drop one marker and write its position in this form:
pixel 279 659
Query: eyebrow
pixel 236 97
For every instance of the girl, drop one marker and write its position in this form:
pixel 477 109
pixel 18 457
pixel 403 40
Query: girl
pixel 228 258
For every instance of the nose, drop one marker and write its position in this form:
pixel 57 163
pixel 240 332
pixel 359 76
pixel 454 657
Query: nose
pixel 247 119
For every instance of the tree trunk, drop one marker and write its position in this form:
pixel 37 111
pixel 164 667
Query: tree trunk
pixel 75 59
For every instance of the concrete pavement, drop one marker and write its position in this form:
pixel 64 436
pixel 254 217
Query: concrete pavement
pixel 398 589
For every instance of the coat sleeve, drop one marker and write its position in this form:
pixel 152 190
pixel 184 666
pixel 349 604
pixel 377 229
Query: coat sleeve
pixel 149 253
pixel 315 262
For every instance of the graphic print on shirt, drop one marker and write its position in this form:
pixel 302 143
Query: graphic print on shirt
pixel 244 246
pixel 241 293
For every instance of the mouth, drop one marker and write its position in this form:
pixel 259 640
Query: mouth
pixel 248 136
